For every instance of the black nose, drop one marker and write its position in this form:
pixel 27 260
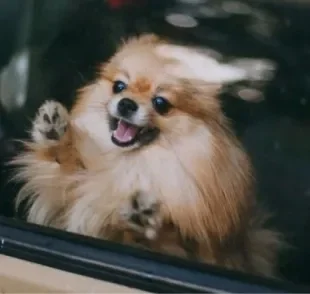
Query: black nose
pixel 126 107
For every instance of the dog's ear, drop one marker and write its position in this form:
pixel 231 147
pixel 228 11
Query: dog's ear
pixel 144 39
pixel 149 39
pixel 192 63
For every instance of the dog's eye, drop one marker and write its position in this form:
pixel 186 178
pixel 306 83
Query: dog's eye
pixel 161 105
pixel 118 87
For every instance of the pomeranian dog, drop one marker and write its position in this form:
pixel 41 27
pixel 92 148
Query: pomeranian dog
pixel 146 157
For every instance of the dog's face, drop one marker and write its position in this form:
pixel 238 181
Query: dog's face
pixel 138 96
pixel 145 98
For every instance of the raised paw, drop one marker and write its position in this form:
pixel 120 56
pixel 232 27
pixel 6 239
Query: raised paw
pixel 142 214
pixel 50 122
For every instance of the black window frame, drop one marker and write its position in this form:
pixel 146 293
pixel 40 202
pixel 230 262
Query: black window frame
pixel 124 265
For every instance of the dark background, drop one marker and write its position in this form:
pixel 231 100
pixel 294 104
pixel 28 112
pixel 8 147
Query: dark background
pixel 66 39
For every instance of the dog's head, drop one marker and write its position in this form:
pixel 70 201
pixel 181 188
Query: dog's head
pixel 149 90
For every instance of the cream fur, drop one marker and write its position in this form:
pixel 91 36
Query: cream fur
pixel 196 169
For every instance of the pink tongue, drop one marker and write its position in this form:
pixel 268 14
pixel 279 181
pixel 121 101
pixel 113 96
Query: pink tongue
pixel 125 132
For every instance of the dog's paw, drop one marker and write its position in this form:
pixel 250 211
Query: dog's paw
pixel 142 214
pixel 50 123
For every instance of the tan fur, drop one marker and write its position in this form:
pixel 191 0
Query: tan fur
pixel 196 168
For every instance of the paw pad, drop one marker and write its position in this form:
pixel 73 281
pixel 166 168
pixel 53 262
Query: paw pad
pixel 142 215
pixel 50 122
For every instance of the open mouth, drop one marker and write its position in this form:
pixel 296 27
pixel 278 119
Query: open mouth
pixel 125 134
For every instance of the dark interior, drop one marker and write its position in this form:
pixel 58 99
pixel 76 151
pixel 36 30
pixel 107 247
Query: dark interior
pixel 64 40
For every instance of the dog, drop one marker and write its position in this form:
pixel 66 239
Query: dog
pixel 146 157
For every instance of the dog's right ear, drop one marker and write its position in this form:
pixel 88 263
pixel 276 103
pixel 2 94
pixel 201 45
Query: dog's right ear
pixel 144 39
pixel 149 39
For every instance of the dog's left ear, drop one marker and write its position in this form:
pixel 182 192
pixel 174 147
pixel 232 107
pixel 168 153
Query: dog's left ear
pixel 192 63
pixel 200 86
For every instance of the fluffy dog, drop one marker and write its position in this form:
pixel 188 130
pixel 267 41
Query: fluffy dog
pixel 146 157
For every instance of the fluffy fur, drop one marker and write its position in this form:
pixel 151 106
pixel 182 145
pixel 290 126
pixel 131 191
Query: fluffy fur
pixel 188 193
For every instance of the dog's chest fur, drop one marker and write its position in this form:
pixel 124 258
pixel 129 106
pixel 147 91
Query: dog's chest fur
pixel 112 178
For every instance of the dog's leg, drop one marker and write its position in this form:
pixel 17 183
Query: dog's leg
pixel 39 174
pixel 142 215
pixel 50 123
